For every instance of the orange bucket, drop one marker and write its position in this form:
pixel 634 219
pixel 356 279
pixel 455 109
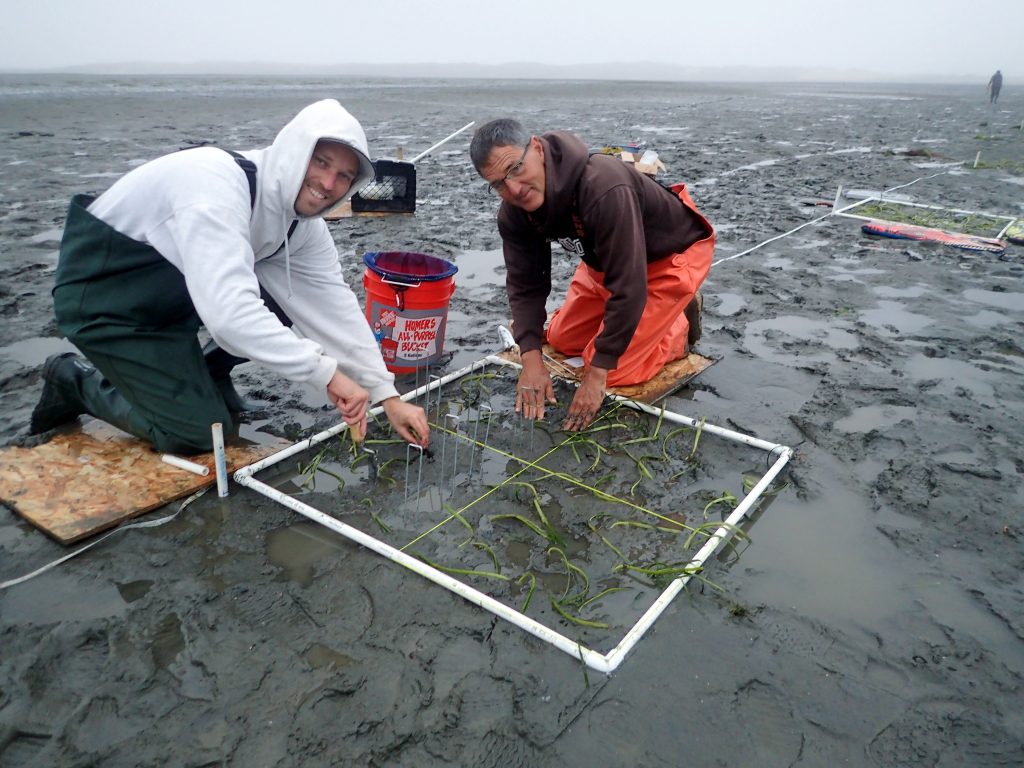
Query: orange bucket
pixel 407 297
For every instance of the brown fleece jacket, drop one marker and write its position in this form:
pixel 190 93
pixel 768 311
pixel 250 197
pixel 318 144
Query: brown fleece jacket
pixel 614 218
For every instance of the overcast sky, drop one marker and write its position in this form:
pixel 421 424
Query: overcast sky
pixel 891 37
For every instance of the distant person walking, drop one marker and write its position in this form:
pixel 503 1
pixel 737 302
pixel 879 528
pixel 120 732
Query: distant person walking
pixel 995 84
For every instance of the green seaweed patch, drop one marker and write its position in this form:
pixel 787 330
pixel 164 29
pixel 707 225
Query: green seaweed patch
pixel 1006 164
pixel 951 221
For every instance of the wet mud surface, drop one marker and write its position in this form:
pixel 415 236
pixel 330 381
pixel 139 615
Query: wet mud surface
pixel 875 617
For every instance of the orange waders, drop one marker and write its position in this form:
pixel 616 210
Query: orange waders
pixel 661 335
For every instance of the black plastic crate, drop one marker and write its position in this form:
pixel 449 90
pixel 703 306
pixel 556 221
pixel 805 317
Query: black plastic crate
pixel 393 189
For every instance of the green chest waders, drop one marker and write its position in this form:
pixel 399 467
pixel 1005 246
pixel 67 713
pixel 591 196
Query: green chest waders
pixel 128 310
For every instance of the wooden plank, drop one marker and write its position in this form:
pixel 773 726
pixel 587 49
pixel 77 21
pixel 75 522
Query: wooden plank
pixel 669 379
pixel 344 211
pixel 92 478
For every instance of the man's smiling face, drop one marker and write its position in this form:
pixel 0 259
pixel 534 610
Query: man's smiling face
pixel 332 169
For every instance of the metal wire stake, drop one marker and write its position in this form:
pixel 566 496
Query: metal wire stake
pixel 419 480
pixel 487 434
pixel 437 418
pixel 408 446
pixel 426 387
pixel 455 461
pixel 444 444
pixel 475 443
pixel 487 430
pixel 371 456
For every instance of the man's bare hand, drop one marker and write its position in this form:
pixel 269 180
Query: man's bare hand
pixel 351 400
pixel 587 401
pixel 409 421
pixel 534 388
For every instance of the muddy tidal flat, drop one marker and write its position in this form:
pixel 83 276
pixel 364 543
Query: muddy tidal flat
pixel 874 618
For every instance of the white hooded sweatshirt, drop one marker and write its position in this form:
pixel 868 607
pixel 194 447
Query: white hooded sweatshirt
pixel 194 208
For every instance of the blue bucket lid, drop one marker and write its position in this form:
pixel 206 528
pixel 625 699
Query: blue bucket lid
pixel 409 265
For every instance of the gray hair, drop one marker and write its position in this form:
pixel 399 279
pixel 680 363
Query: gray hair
pixel 503 132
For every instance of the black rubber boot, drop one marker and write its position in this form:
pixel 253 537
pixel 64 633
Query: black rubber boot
pixel 693 312
pixel 219 363
pixel 60 402
pixel 74 387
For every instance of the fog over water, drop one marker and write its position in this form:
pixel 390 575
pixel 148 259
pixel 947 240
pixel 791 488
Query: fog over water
pixel 654 40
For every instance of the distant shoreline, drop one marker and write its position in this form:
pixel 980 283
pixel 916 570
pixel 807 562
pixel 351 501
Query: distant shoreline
pixel 632 71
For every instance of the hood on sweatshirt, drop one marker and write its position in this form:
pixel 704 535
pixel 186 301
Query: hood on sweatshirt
pixel 565 159
pixel 286 161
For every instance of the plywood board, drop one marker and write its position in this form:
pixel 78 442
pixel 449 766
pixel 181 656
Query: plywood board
pixel 92 478
pixel 670 378
pixel 344 211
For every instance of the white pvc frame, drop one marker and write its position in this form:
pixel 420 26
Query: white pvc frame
pixel 595 660
pixel 908 204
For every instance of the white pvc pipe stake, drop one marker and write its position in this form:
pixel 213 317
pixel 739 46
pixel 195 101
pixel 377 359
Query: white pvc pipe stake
pixel 426 152
pixel 188 466
pixel 220 460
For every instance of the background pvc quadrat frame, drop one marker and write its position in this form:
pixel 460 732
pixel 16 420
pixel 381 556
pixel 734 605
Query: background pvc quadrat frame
pixel 595 660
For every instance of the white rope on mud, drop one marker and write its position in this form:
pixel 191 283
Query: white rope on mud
pixel 145 524
pixel 833 212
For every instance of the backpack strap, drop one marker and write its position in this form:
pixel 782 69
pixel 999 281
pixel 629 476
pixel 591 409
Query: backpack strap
pixel 250 174
pixel 249 167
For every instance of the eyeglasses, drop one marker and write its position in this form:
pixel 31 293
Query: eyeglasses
pixel 499 186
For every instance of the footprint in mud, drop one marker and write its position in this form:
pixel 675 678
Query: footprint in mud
pixel 778 732
pixel 945 732
pixel 18 747
pixel 498 750
pixel 796 636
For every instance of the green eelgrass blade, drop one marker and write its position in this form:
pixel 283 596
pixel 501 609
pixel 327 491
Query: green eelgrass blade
pixel 696 438
pixel 490 552
pixel 601 594
pixel 458 516
pixel 633 524
pixel 529 593
pixel 708 529
pixel 574 573
pixel 575 619
pixel 593 527
pixel 528 523
pixel 669 436
pixel 726 498
pixel 459 571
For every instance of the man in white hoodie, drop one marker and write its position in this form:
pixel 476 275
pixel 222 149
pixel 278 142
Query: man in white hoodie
pixel 207 237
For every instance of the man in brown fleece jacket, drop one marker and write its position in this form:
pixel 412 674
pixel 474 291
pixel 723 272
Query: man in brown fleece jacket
pixel 644 252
